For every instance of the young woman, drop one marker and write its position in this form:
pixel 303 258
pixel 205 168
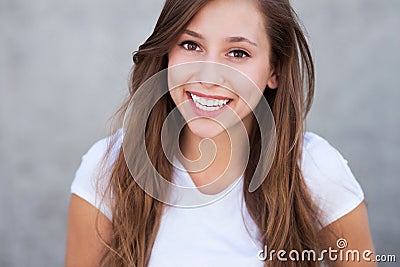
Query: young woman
pixel 253 204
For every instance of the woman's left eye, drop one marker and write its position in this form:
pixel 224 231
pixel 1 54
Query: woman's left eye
pixel 238 54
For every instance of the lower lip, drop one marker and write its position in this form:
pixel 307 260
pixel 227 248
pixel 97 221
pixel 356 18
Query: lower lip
pixel 203 113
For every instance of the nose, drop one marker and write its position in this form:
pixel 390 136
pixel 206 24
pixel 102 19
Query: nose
pixel 210 74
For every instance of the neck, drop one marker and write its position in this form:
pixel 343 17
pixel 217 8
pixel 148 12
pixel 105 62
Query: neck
pixel 221 159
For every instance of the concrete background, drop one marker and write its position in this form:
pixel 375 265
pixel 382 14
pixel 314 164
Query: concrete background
pixel 64 68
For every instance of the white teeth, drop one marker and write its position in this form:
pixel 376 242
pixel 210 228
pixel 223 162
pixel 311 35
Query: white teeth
pixel 202 101
pixel 207 104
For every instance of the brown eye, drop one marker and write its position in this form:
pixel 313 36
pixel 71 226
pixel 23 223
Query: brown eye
pixel 191 46
pixel 238 54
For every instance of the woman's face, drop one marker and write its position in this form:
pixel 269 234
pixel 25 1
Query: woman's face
pixel 228 32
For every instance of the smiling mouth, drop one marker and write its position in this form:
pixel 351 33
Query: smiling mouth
pixel 209 103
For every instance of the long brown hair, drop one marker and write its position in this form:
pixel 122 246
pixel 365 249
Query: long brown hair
pixel 281 207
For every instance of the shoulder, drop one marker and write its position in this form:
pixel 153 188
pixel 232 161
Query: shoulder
pixel 332 184
pixel 91 176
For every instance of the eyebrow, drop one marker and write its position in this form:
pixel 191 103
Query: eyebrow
pixel 234 39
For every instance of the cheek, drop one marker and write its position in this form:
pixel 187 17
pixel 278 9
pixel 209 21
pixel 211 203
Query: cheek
pixel 172 58
pixel 261 76
pixel 258 71
pixel 174 95
pixel 251 90
pixel 179 73
pixel 175 76
pixel 174 80
pixel 178 94
pixel 176 57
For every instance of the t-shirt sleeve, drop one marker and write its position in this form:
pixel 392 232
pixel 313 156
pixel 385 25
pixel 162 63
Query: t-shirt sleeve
pixel 332 185
pixel 90 180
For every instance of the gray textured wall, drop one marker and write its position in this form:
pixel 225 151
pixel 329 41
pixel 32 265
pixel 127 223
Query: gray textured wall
pixel 64 67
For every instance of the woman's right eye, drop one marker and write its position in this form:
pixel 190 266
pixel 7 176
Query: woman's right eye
pixel 189 45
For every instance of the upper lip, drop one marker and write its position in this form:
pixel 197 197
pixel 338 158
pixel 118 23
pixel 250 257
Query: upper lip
pixel 209 96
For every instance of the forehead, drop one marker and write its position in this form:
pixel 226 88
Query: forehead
pixel 229 18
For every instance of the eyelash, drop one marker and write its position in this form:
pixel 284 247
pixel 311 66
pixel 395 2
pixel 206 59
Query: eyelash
pixel 185 43
pixel 245 54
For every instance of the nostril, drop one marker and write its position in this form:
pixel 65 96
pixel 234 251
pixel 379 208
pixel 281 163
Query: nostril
pixel 210 74
pixel 207 84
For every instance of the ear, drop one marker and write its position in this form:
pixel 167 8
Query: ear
pixel 273 82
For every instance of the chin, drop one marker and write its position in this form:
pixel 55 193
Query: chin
pixel 205 128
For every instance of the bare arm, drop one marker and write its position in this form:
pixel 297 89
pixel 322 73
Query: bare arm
pixel 84 247
pixel 354 228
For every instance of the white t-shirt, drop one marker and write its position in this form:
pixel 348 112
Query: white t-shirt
pixel 222 233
